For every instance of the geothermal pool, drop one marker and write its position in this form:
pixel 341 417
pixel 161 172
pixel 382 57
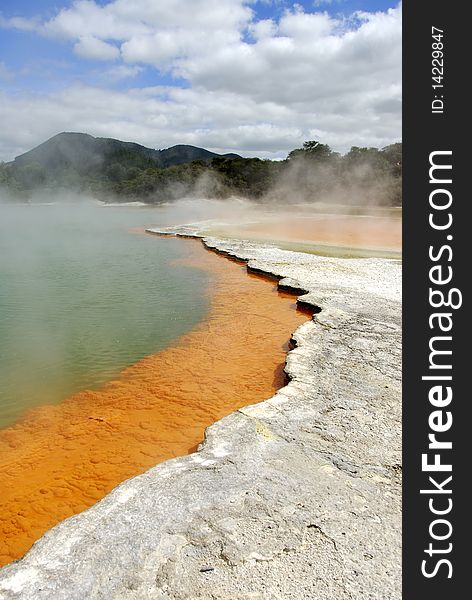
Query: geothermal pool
pixel 82 297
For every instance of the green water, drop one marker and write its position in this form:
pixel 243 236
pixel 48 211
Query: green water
pixel 81 297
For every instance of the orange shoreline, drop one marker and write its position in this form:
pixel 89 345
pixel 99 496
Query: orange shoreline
pixel 59 460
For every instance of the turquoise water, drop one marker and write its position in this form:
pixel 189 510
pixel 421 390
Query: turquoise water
pixel 82 297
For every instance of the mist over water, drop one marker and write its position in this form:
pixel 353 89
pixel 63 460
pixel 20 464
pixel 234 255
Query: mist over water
pixel 83 295
pixel 84 292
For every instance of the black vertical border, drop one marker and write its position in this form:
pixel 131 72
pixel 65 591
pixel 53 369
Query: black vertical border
pixel 423 133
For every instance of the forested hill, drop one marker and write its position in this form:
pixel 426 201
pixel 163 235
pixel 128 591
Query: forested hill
pixel 68 154
pixel 114 170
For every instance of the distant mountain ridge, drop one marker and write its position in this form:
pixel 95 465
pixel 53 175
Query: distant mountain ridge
pixel 85 153
pixel 112 170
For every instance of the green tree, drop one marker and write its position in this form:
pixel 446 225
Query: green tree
pixel 313 150
pixel 30 176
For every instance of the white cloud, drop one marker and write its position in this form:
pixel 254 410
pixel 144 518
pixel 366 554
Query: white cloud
pixel 85 17
pixel 96 49
pixel 255 86
pixel 121 72
pixel 125 20
pixel 20 23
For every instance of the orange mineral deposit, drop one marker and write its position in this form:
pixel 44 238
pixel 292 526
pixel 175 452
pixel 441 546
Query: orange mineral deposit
pixel 59 460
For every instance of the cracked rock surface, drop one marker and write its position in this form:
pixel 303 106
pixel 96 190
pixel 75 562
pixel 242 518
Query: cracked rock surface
pixel 297 497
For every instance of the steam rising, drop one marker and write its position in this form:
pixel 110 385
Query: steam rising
pixel 335 184
pixel 301 204
pixel 82 297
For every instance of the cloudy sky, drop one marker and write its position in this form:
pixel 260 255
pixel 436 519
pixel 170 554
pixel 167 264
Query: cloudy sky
pixel 257 77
